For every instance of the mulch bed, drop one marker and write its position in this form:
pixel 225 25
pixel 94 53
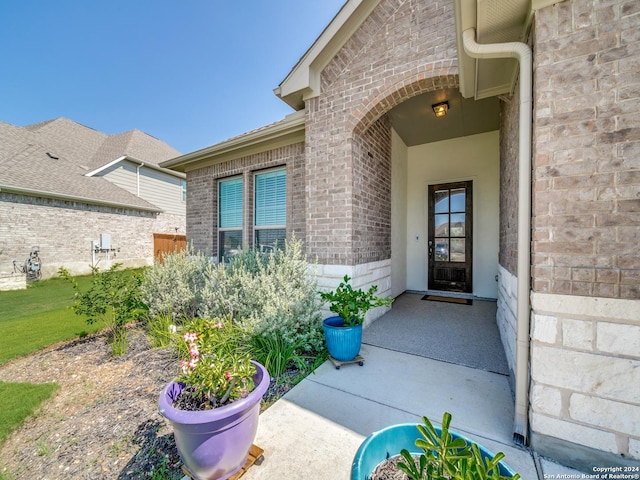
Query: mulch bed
pixel 103 422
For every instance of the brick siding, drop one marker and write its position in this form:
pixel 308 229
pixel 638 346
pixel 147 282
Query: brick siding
pixel 587 149
pixel 64 231
pixel 202 195
pixel 403 49
pixel 509 136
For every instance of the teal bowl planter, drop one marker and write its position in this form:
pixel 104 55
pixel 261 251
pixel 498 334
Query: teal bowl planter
pixel 343 342
pixel 388 442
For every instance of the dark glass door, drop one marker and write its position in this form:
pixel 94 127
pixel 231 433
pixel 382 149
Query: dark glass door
pixel 450 237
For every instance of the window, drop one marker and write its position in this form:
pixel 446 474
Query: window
pixel 270 210
pixel 230 218
pixel 184 190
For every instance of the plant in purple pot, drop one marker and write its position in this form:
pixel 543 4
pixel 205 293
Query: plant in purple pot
pixel 214 404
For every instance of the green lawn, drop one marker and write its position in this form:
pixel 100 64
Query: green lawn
pixel 39 316
pixel 19 400
pixel 30 320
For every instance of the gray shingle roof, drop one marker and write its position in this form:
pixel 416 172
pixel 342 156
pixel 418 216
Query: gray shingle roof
pixel 51 159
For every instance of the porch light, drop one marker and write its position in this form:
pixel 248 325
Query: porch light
pixel 440 109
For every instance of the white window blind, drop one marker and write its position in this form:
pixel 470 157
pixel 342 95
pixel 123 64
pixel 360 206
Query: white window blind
pixel 271 198
pixel 230 203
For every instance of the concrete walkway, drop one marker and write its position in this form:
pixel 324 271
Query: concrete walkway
pixel 314 431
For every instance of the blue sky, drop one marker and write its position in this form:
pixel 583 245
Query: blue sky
pixel 189 72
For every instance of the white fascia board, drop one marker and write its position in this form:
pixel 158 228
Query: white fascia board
pixel 138 162
pixel 303 81
pixel 538 4
pixel 72 198
pixel 104 167
pixel 285 132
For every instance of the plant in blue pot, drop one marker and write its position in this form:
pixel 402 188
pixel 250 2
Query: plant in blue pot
pixel 427 452
pixel 343 332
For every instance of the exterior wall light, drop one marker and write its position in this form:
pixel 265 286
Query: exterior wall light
pixel 440 109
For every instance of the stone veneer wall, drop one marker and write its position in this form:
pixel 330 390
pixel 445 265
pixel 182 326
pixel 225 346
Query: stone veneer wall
pixel 585 353
pixel 585 378
pixel 64 231
pixel 12 281
pixel 404 48
pixel 506 316
pixel 363 276
pixel 202 195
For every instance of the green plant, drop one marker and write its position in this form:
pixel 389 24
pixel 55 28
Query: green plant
pixel 215 364
pixel 269 293
pixel 162 472
pixel 114 298
pixel 174 286
pixel 160 329
pixel 448 458
pixel 352 305
pixel 274 352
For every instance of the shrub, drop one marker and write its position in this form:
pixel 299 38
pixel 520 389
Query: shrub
pixel 174 286
pixel 268 294
pixel 275 353
pixel 114 297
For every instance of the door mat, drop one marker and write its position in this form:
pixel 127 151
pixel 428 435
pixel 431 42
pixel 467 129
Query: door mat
pixel 437 298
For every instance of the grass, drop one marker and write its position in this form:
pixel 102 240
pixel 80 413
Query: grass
pixel 20 400
pixel 40 316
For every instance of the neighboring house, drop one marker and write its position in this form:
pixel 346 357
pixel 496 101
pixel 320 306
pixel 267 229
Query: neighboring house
pixel 85 197
pixel 527 191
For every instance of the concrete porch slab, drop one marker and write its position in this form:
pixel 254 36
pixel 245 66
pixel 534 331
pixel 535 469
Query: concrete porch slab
pixel 313 432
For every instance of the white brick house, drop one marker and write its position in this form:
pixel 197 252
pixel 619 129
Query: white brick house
pixel 526 191
pixel 63 185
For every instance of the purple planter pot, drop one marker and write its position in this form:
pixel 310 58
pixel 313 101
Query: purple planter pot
pixel 214 444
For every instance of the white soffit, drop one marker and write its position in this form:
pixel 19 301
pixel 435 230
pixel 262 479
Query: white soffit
pixel 495 21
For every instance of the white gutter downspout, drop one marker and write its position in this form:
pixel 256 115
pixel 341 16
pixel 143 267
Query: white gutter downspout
pixel 522 53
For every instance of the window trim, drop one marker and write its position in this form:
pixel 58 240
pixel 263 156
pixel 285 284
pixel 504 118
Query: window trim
pixel 221 229
pixel 257 228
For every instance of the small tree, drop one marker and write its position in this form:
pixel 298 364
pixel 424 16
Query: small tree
pixel 114 298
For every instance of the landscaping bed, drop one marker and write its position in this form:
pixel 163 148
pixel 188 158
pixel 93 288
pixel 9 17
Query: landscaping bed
pixel 103 422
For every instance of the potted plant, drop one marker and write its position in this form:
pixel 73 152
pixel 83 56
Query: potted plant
pixel 436 454
pixel 343 332
pixel 214 404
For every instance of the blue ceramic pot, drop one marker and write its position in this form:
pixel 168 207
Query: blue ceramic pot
pixel 388 442
pixel 343 342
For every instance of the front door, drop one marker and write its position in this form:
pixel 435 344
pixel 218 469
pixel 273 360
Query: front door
pixel 450 240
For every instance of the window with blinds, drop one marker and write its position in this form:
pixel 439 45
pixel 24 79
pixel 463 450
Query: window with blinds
pixel 230 214
pixel 270 211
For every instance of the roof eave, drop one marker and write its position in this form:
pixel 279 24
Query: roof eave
pixel 303 81
pixel 286 132
pixel 136 161
pixel 72 198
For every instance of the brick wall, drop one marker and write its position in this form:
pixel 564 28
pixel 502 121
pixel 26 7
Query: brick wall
pixel 403 49
pixel 587 149
pixel 64 231
pixel 202 193
pixel 585 364
pixel 509 137
pixel 372 193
